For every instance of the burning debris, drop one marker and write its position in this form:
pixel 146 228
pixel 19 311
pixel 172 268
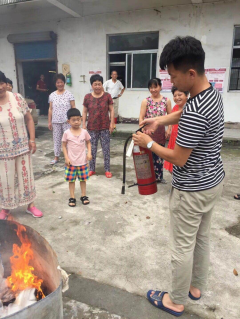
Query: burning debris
pixel 22 288
pixel 29 272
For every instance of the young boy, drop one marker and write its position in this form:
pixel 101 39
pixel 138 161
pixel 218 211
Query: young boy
pixel 74 143
pixel 197 172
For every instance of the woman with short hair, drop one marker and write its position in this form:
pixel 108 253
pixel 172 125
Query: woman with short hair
pixel 180 98
pixel 60 102
pixel 17 186
pixel 98 105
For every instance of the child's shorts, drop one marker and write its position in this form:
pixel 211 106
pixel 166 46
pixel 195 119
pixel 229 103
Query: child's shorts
pixel 72 172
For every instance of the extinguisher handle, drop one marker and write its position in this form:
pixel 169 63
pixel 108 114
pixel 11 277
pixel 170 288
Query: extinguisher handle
pixel 140 129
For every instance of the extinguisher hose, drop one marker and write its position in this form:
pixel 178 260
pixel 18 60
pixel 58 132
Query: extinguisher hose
pixel 124 163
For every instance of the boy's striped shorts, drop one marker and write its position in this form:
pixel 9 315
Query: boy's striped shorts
pixel 74 172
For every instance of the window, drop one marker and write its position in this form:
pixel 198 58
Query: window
pixel 134 57
pixel 235 67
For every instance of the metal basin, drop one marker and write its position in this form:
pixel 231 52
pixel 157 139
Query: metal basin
pixel 45 267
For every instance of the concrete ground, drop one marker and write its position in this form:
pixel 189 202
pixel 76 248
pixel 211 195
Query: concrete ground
pixel 116 248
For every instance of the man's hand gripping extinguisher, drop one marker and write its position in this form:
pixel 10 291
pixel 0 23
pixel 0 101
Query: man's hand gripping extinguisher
pixel 144 168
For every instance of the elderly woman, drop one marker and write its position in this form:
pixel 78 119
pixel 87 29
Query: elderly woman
pixel 60 102
pixel 16 173
pixel 98 105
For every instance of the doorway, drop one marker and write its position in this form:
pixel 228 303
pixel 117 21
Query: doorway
pixel 117 63
pixel 31 75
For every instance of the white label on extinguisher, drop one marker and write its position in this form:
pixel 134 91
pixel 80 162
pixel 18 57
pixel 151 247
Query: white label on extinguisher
pixel 136 149
pixel 129 151
pixel 143 168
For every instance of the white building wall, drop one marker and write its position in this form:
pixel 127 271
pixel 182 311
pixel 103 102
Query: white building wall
pixel 82 43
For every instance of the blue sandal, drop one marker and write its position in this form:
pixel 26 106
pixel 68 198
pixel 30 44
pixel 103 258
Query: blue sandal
pixel 158 296
pixel 192 297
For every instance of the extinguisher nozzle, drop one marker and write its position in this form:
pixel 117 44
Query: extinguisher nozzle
pixel 123 189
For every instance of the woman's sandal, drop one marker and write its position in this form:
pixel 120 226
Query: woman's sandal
pixel 237 197
pixel 53 162
pixel 158 296
pixel 72 201
pixel 108 174
pixel 3 214
pixel 84 199
pixel 161 181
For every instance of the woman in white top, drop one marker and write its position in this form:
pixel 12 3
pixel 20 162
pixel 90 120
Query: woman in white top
pixel 60 102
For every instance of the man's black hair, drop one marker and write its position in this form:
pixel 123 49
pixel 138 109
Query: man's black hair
pixel 155 82
pixel 3 77
pixel 113 71
pixel 96 77
pixel 9 82
pixel 73 112
pixel 184 53
pixel 174 89
pixel 59 76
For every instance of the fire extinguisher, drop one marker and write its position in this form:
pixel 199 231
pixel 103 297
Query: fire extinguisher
pixel 69 79
pixel 144 168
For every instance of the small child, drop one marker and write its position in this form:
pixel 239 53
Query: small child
pixel 74 143
pixel 180 98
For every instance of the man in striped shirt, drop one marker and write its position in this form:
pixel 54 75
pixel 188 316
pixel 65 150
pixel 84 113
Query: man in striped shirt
pixel 197 174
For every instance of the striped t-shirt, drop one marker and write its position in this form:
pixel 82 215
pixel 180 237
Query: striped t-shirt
pixel 201 128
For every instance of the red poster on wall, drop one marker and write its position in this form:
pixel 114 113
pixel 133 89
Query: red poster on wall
pixel 215 76
pixel 166 82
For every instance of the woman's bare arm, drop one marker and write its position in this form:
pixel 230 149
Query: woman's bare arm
pixel 143 111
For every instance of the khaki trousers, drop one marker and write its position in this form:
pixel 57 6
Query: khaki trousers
pixel 190 224
pixel 115 107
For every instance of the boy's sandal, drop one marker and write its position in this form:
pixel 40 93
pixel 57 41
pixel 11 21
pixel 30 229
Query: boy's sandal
pixel 237 196
pixel 108 174
pixel 72 201
pixel 85 200
pixel 192 297
pixel 158 296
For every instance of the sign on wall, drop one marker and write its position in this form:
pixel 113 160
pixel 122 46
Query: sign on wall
pixel 91 72
pixel 215 76
pixel 166 82
pixel 65 69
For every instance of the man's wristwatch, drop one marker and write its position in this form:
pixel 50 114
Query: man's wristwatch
pixel 150 144
pixel 32 142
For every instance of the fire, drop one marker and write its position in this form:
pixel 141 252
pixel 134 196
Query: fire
pixel 22 276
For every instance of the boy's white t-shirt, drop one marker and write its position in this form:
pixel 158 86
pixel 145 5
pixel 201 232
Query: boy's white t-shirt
pixel 76 146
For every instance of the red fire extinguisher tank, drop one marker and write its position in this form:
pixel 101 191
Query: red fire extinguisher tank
pixel 143 162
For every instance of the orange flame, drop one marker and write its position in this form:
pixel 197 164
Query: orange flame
pixel 22 276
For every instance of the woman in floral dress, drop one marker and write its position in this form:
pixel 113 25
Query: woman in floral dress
pixel 180 98
pixel 16 173
pixel 153 106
